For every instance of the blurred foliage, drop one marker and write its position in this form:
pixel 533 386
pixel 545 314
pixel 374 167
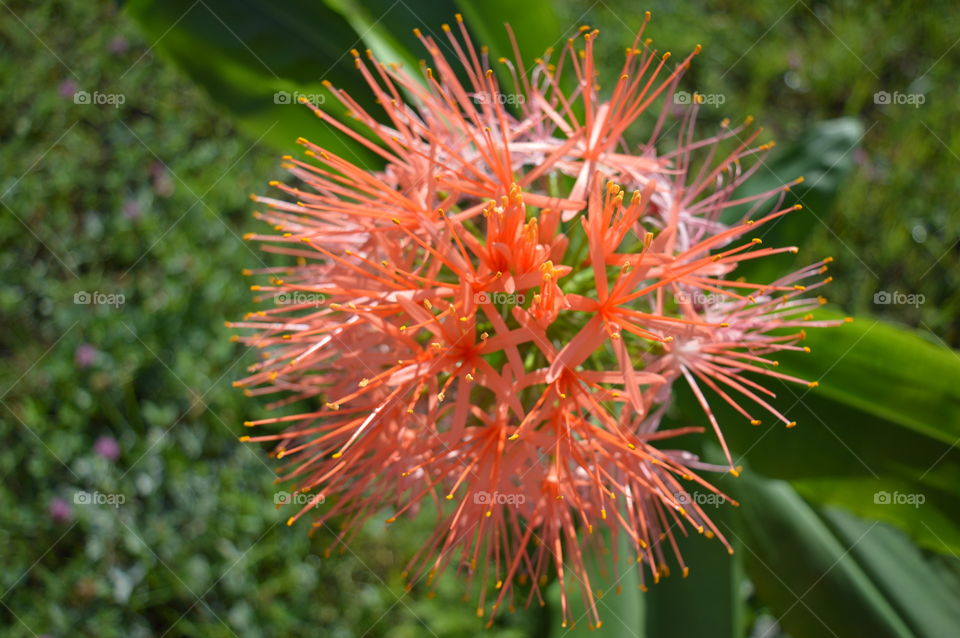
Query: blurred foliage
pixel 894 225
pixel 148 200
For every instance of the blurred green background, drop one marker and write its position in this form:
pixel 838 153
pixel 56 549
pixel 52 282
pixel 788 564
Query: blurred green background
pixel 146 200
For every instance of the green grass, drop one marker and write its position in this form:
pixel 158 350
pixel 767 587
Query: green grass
pixel 198 519
pixel 149 200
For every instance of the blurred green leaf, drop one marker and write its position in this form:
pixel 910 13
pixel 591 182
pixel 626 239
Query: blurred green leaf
pixel 621 606
pixel 387 27
pixel 534 23
pixel 928 516
pixel 852 577
pixel 823 156
pixel 887 372
pixel 806 574
pixel 910 581
pixel 367 20
pixel 714 582
pixel 882 388
pixel 255 57
pixel 885 388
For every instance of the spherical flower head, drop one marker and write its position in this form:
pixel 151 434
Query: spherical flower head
pixel 491 323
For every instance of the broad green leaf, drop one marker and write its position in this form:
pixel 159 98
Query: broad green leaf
pixel 254 57
pixel 804 572
pixel 620 603
pixel 923 597
pixel 887 372
pixel 387 27
pixel 884 418
pixel 534 23
pixel 379 27
pixel 714 583
pixel 929 515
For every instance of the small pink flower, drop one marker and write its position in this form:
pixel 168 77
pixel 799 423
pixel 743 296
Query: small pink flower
pixel 162 182
pixel 107 447
pixel 132 210
pixel 67 88
pixel 60 510
pixel 85 355
pixel 118 45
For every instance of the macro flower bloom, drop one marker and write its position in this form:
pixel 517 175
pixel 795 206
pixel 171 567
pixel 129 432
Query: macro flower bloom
pixel 489 325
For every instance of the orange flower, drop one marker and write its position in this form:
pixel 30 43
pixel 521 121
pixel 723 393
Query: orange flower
pixel 492 324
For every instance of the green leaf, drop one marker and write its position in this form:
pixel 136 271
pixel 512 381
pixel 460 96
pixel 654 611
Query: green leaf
pixel 714 582
pixel 911 582
pixel 927 514
pixel 825 572
pixel 824 158
pixel 886 372
pixel 663 609
pixel 386 26
pixel 804 572
pixel 368 18
pixel 534 23
pixel 621 605
pixel 885 418
pixel 254 56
